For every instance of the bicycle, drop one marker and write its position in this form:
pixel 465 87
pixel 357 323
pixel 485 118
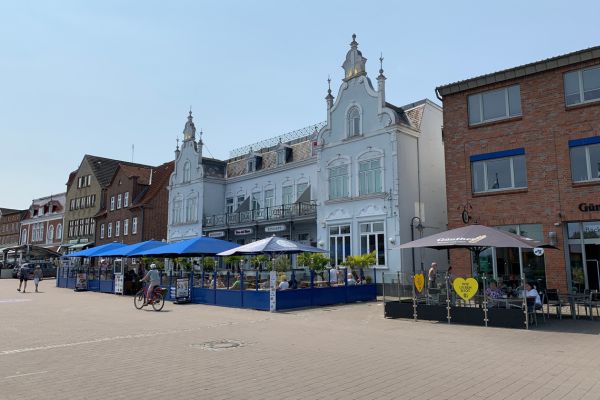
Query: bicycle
pixel 157 301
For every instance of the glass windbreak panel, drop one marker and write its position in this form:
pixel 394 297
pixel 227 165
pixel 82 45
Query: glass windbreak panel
pixel 498 174
pixel 474 110
pixel 574 230
pixel 577 275
pixel 478 176
pixel 520 172
pixel 594 152
pixel 494 105
pixel 486 261
pixel 591 230
pixel 578 164
pixel 514 100
pixel 572 88
pixel 507 262
pixel 591 84
pixel 534 269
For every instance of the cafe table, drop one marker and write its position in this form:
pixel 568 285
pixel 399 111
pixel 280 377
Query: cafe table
pixel 577 299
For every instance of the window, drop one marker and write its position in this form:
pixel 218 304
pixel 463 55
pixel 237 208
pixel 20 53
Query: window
pixel 255 200
pixel 78 205
pixel 585 159
pixel 119 201
pixel 70 228
pixel 281 156
pixel 102 231
pixel 110 229
pixel 353 122
pixel 89 180
pixel 269 198
pixel 369 177
pixel 229 205
pixel 339 243
pixel 86 230
pixel 582 86
pixel 93 200
pixel 126 227
pixel 92 226
pixel 251 165
pixel 72 204
pixel 338 182
pixel 24 237
pixel 187 172
pixel 300 189
pixel 287 195
pixel 240 200
pixel 50 235
pixel 59 232
pixel 372 239
pixel 118 228
pixel 190 210
pixel 177 205
pixel 498 171
pixel 112 203
pixel 126 200
pixel 495 105
pixel 134 226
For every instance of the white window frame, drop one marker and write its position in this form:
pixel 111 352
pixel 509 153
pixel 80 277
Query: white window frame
pixel 588 164
pixel 119 201
pixel 102 231
pixel 580 84
pixel 126 200
pixel 299 190
pixel 284 195
pixel 59 232
pixel 134 225
pixel 117 228
pixel 339 185
pixel 112 203
pixel 369 177
pixel 190 209
pixel 379 239
pixel 126 227
pixel 50 233
pixel 109 230
pixel 512 175
pixel 480 111
pixel 354 127
pixel 229 205
pixel 177 211
pixel 333 240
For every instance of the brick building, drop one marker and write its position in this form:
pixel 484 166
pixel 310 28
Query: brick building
pixel 135 205
pixel 10 221
pixel 43 225
pixel 522 149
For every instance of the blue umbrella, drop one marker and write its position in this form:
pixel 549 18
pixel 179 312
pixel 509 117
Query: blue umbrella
pixel 94 250
pixel 199 246
pixel 133 249
pixel 272 245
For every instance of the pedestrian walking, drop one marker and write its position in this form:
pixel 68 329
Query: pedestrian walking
pixel 23 277
pixel 37 276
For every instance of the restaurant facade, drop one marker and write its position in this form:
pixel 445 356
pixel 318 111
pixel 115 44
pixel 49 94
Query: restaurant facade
pixel 522 151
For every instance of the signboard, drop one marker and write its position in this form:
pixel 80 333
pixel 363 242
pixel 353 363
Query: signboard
pixel 81 281
pixel 182 290
pixel 419 280
pixel 118 283
pixel 538 251
pixel 243 231
pixel 465 288
pixel 272 291
pixel 275 228
pixel 216 234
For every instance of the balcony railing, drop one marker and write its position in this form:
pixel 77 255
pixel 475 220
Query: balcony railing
pixel 286 211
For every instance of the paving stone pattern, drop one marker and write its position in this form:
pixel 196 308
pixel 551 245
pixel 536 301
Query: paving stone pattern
pixel 60 344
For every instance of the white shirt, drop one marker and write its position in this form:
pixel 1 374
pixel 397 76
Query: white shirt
pixel 534 293
pixel 284 285
pixel 333 273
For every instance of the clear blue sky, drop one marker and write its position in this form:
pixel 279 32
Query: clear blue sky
pixel 95 77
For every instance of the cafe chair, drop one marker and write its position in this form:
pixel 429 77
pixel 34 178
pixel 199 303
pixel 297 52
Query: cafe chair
pixel 594 304
pixel 531 311
pixel 553 300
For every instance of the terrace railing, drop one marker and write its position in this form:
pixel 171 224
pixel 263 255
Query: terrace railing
pixel 285 211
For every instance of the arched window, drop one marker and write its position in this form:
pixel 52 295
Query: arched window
pixel 177 210
pixel 59 232
pixel 353 122
pixel 190 210
pixel 187 172
pixel 24 237
pixel 50 233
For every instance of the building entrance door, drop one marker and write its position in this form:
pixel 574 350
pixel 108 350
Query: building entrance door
pixel 592 255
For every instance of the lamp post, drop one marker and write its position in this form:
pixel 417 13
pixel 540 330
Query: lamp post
pixel 420 228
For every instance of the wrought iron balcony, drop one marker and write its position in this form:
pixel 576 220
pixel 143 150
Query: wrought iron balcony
pixel 283 212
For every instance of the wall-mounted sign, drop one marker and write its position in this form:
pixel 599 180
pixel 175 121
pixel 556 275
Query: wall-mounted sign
pixel 275 228
pixel 538 251
pixel 588 207
pixel 216 234
pixel 243 231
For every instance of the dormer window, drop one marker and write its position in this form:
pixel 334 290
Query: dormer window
pixel 251 165
pixel 353 122
pixel 254 163
pixel 284 154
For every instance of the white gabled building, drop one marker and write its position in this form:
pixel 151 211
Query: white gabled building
pixel 368 179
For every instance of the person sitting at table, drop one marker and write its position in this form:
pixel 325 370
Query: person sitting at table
pixel 220 284
pixel 351 280
pixel 333 275
pixel 494 292
pixel 293 283
pixel 531 291
pixel 237 284
pixel 283 285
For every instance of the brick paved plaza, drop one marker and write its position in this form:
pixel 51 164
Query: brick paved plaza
pixel 59 344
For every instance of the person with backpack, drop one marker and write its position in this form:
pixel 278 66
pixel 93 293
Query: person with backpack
pixel 23 277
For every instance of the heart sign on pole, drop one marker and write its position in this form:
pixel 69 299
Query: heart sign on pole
pixel 465 288
pixel 419 280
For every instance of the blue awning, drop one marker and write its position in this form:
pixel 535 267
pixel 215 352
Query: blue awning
pixel 200 246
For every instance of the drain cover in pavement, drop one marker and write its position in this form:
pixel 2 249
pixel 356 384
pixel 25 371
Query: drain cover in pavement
pixel 218 345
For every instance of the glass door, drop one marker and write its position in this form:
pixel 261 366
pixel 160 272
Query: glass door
pixel 592 255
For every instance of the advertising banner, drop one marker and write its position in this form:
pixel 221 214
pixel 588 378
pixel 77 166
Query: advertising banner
pixel 81 281
pixel 118 283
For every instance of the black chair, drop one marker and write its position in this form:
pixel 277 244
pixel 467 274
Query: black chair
pixel 594 304
pixel 553 300
pixel 531 311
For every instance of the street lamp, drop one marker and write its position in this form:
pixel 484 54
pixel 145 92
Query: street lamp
pixel 420 228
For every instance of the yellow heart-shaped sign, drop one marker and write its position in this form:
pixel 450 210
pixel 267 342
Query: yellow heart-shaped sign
pixel 419 280
pixel 465 288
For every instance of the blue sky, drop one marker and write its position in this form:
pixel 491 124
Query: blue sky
pixel 95 77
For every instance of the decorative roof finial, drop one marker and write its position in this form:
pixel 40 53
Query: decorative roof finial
pixel 354 43
pixel 381 64
pixel 328 84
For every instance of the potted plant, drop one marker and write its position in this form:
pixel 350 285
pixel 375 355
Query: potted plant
pixel 208 264
pixel 316 262
pixel 361 262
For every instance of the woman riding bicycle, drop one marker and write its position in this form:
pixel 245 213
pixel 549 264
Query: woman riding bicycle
pixel 153 277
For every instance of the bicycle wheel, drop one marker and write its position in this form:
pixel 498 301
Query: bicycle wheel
pixel 138 299
pixel 159 302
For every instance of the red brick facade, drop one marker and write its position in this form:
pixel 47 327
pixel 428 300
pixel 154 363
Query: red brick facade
pixel 544 131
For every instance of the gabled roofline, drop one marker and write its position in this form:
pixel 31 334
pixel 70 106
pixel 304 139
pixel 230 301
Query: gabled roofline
pixel 520 71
